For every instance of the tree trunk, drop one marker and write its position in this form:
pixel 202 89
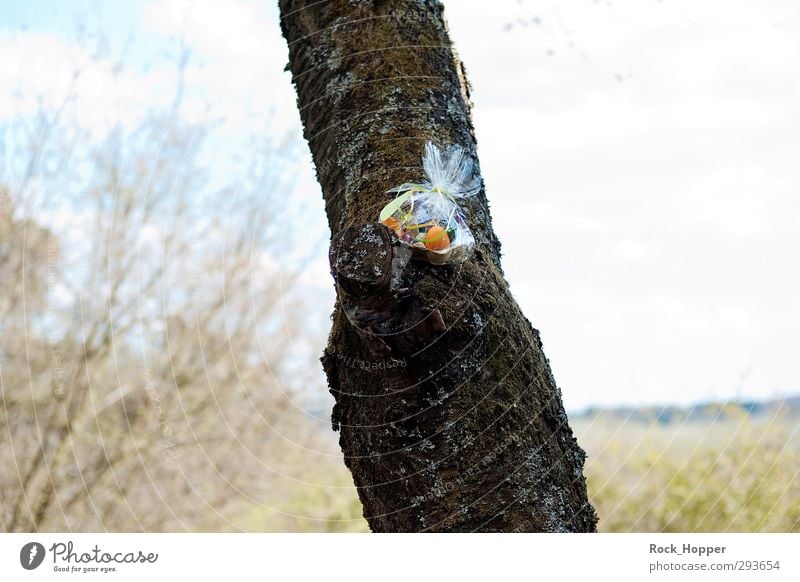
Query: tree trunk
pixel 449 416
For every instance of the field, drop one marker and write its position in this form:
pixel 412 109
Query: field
pixel 736 473
pixel 726 471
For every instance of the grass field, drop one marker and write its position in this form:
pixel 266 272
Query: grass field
pixel 735 473
pixel 726 472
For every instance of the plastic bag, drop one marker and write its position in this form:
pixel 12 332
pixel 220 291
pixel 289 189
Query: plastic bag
pixel 426 216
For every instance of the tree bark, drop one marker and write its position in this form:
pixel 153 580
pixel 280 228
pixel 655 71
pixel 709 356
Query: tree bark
pixel 449 416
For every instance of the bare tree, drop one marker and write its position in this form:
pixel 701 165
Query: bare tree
pixel 469 433
pixel 142 387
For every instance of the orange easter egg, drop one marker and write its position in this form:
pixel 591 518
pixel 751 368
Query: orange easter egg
pixel 436 238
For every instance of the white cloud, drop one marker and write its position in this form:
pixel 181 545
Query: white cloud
pixel 734 200
pixel 235 72
pixel 737 320
pixel 46 70
pixel 237 57
pixel 632 250
pixel 233 29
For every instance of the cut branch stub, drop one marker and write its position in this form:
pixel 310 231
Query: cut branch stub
pixel 361 259
pixel 377 287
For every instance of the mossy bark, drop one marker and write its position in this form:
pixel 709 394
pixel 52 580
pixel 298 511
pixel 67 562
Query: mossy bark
pixel 449 416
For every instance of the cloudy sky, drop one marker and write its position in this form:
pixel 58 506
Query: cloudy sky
pixel 642 159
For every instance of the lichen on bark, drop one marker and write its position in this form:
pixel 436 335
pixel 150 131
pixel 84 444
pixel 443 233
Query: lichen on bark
pixel 448 413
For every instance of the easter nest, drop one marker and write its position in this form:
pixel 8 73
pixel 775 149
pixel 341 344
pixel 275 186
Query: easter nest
pixel 450 255
pixel 426 216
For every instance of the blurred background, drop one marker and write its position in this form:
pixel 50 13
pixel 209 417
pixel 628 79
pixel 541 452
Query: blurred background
pixel 165 296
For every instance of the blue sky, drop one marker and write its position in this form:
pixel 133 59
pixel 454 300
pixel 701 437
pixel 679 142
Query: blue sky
pixel 641 158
